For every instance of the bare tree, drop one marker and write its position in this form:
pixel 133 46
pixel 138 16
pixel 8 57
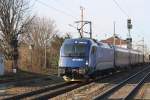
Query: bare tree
pixel 14 21
pixel 55 48
pixel 41 33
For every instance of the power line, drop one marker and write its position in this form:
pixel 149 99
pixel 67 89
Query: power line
pixel 123 11
pixel 33 4
pixel 62 4
pixel 58 10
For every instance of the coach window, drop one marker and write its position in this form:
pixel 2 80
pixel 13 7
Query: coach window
pixel 93 50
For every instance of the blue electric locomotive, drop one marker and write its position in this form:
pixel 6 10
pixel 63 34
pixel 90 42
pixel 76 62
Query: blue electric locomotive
pixel 82 58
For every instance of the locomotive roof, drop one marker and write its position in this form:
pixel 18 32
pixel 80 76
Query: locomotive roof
pixel 98 43
pixel 82 40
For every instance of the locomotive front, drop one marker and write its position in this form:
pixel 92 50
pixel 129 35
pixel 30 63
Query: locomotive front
pixel 74 59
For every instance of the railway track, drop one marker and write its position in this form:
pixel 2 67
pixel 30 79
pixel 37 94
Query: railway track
pixel 136 88
pixel 51 90
pixel 122 90
pixel 9 89
pixel 97 87
pixel 36 92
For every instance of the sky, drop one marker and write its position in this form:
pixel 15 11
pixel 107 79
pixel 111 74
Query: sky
pixel 102 13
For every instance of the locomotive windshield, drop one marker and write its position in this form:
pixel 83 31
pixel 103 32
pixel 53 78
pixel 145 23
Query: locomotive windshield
pixel 74 50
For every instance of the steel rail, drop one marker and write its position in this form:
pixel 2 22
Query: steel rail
pixel 52 90
pixel 136 88
pixel 59 91
pixel 114 88
pixel 35 92
pixel 53 93
pixel 55 87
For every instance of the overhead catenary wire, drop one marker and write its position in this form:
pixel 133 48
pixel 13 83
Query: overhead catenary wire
pixel 121 9
pixel 64 6
pixel 34 2
pixel 58 10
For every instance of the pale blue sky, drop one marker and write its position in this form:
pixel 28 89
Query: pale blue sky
pixel 102 13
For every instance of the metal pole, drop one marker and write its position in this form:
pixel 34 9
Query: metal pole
pixel 114 42
pixel 129 39
pixel 143 49
pixel 31 56
pixel 81 8
pixel 120 42
pixel 45 53
pixel 30 48
pixel 90 30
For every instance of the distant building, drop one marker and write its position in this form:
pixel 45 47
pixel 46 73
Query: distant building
pixel 118 41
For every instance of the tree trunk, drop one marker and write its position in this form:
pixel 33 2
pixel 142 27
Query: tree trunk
pixel 15 59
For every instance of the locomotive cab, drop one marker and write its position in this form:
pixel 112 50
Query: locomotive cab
pixel 74 59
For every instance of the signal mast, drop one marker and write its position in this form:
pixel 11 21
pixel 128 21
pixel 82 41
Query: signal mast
pixel 129 38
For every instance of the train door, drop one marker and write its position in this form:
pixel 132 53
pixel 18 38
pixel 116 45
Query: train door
pixel 108 57
pixel 93 56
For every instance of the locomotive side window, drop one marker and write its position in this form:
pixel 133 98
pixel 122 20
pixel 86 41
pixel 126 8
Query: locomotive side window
pixel 93 50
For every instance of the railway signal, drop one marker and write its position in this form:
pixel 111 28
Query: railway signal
pixel 129 38
pixel 129 25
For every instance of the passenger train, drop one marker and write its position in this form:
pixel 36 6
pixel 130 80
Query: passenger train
pixel 83 58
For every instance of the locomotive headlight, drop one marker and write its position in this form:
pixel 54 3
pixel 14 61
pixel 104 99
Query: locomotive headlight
pixel 86 63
